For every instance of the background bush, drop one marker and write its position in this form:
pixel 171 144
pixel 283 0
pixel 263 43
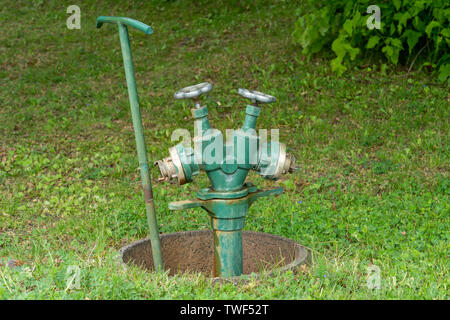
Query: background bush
pixel 410 31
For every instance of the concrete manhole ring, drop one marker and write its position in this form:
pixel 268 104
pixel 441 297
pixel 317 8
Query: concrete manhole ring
pixel 193 251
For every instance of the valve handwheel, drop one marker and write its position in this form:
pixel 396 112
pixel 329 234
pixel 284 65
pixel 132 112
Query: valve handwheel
pixel 193 91
pixel 256 96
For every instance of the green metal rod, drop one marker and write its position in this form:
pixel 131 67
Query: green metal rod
pixel 122 22
pixel 126 21
pixel 140 144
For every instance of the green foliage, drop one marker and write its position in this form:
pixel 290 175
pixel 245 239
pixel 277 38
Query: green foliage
pixel 408 29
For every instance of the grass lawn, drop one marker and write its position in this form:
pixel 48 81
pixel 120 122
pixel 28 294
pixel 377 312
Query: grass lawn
pixel 372 187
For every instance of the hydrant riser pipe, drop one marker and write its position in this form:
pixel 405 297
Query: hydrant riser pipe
pixel 228 257
pixel 140 144
pixel 227 222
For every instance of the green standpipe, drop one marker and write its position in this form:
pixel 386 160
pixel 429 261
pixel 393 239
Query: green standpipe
pixel 122 22
pixel 229 197
pixel 227 221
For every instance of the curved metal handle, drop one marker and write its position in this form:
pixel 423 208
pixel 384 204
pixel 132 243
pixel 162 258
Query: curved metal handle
pixel 126 21
pixel 256 96
pixel 193 91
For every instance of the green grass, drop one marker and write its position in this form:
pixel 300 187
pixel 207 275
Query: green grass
pixel 372 148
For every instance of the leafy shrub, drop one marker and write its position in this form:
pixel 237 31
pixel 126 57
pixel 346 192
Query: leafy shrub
pixel 408 29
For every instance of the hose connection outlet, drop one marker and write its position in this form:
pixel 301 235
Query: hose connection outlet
pixel 289 164
pixel 171 168
pixel 274 161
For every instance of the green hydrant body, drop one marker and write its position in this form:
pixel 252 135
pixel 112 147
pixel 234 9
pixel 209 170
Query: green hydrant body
pixel 227 164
